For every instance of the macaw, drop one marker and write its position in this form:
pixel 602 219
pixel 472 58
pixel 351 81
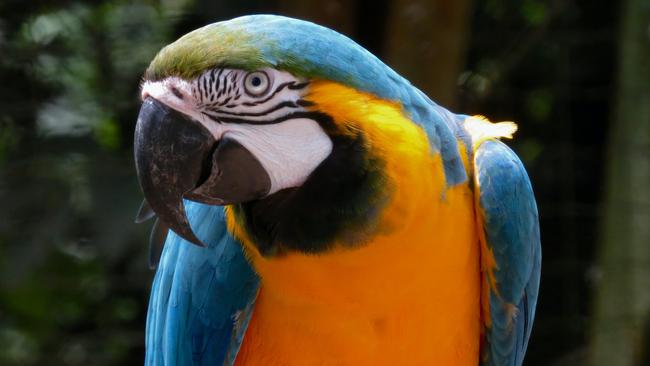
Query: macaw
pixel 339 216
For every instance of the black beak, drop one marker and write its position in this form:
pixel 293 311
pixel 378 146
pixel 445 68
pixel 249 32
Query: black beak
pixel 177 157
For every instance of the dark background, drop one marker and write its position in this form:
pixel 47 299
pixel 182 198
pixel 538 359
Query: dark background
pixel 573 74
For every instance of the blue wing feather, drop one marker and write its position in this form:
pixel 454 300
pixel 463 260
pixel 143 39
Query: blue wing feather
pixel 511 227
pixel 202 298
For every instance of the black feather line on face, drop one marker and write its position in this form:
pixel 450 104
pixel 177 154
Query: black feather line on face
pixel 295 86
pixel 204 90
pixel 212 77
pixel 224 102
pixel 285 104
pixel 223 119
pixel 276 91
pixel 217 87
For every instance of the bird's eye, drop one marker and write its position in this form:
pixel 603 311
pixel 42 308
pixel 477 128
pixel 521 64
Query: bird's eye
pixel 256 83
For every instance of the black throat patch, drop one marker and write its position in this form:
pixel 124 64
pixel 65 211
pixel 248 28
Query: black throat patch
pixel 339 203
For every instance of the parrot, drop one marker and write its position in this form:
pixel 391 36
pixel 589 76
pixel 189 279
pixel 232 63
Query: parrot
pixel 313 207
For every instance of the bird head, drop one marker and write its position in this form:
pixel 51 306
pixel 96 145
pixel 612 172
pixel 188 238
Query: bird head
pixel 289 123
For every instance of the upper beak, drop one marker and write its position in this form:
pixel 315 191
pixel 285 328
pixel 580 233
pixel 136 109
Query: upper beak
pixel 177 157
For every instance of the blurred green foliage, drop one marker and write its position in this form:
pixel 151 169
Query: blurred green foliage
pixel 71 292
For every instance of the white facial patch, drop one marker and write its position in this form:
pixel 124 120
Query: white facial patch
pixel 272 126
pixel 289 151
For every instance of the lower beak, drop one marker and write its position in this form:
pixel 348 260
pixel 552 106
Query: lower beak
pixel 177 157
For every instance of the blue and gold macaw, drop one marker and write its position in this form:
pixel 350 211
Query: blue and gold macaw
pixel 341 217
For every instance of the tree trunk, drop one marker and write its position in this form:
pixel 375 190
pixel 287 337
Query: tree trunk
pixel 336 14
pixel 426 42
pixel 622 303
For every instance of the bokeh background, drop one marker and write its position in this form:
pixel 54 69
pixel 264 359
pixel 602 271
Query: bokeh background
pixel 575 75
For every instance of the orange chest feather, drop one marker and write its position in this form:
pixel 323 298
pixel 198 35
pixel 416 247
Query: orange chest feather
pixel 408 297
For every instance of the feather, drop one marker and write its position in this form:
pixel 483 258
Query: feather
pixel 511 252
pixel 156 242
pixel 201 298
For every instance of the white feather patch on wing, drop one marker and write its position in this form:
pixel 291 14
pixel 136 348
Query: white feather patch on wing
pixel 481 129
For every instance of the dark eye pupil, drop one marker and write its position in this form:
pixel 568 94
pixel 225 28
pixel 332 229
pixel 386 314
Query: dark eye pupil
pixel 256 81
